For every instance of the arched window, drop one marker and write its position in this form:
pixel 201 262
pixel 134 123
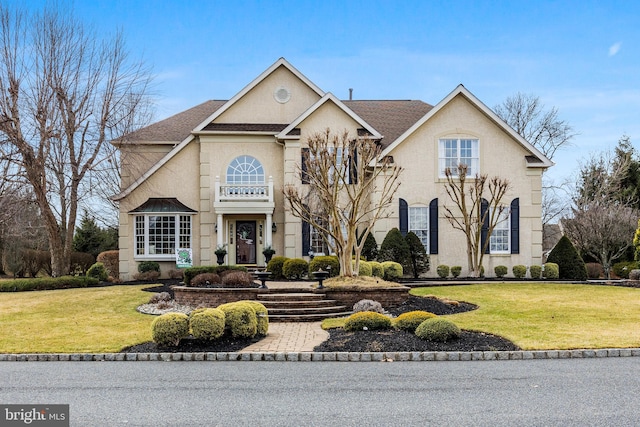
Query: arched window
pixel 245 170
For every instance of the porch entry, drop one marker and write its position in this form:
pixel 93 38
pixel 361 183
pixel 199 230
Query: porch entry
pixel 246 242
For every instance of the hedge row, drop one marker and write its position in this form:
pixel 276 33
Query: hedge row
pixel 47 283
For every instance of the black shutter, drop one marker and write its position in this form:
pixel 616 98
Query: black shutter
pixel 306 238
pixel 403 211
pixel 353 166
pixel 303 166
pixel 515 226
pixel 484 207
pixel 433 227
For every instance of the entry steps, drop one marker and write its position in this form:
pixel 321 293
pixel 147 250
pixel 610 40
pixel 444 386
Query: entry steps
pixel 301 307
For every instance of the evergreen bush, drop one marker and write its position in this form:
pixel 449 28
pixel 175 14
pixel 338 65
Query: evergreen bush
pixel 98 271
pixel 145 266
pixel 551 270
pixel 168 329
pixel 262 316
pixel 323 262
pixel 295 268
pixel 240 319
pixel 364 269
pixel 370 248
pixel 443 271
pixel 376 269
pixel 519 271
pixel 367 320
pixel 623 268
pixel 418 258
pixel 409 321
pixel 455 271
pixel 500 271
pixel 438 329
pixel 207 324
pixel 395 248
pixel 535 271
pixel 392 271
pixel 570 264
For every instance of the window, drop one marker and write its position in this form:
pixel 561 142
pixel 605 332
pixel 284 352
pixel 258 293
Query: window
pixel 158 236
pixel 317 245
pixel 452 152
pixel 499 240
pixel 245 170
pixel 419 224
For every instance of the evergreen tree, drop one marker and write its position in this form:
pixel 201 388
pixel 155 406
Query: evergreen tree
pixel 418 255
pixel 92 239
pixel 395 248
pixel 370 248
pixel 570 264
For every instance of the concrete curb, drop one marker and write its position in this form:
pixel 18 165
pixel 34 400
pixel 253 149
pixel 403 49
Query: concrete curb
pixel 416 356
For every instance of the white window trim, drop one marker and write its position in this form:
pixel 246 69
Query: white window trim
pixel 507 227
pixel 472 171
pixel 159 257
pixel 413 229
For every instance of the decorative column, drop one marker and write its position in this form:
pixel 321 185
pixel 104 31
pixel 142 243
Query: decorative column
pixel 268 232
pixel 220 233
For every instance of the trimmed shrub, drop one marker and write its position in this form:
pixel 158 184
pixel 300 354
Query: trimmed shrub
pixel 82 261
pixel 622 269
pixel 262 315
pixel 519 271
pixel 240 319
pixel 500 270
pixel 367 320
pixel 364 269
pixel 237 279
pixel 535 271
pixel 368 305
pixel 175 273
pixel 438 329
pixel 455 271
pixel 392 271
pixel 207 324
pixel 295 268
pixel 145 266
pixel 98 271
pixel 200 281
pixel 191 272
pixel 551 270
pixel 370 248
pixel 443 271
pixel 634 275
pixel 275 267
pixel 47 283
pixel 395 248
pixel 570 264
pixel 410 320
pixel 376 269
pixel 418 258
pixel 594 270
pixel 323 262
pixel 168 329
pixel 111 261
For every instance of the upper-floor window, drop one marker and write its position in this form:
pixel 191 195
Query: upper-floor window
pixel 245 170
pixel 454 151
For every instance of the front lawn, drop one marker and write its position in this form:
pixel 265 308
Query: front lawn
pixel 89 320
pixel 549 316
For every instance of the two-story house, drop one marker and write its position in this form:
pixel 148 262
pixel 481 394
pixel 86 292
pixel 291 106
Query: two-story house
pixel 213 176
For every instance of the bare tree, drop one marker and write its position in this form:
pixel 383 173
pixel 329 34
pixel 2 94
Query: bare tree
pixel 475 210
pixel 350 187
pixel 544 129
pixel 66 93
pixel 602 231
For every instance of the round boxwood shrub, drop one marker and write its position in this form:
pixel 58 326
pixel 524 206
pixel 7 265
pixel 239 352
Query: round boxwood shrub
pixel 168 329
pixel 456 270
pixel 438 329
pixel 207 324
pixel 295 268
pixel 551 270
pixel 364 269
pixel 443 271
pixel 275 267
pixel 500 270
pixel 392 271
pixel 98 271
pixel 262 316
pixel 323 262
pixel 240 319
pixel 145 266
pixel 535 271
pixel 519 271
pixel 376 269
pixel 410 320
pixel 367 320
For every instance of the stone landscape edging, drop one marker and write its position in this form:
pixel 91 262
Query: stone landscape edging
pixel 309 356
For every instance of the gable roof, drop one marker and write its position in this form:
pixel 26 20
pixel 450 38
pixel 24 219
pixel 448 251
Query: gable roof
pixel 537 158
pixel 329 97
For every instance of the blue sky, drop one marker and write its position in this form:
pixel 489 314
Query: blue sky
pixel 582 57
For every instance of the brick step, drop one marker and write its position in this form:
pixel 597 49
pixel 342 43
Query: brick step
pixel 305 317
pixel 297 304
pixel 292 296
pixel 307 310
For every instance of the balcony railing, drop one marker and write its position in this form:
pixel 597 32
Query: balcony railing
pixel 244 192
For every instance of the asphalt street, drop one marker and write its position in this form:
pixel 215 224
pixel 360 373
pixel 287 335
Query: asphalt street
pixel 575 392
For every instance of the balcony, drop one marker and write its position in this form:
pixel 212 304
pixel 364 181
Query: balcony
pixel 243 198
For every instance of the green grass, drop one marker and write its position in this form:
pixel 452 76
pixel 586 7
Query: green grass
pixel 90 320
pixel 549 316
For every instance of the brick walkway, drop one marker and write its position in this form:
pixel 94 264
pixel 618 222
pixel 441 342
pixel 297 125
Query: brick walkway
pixel 290 337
